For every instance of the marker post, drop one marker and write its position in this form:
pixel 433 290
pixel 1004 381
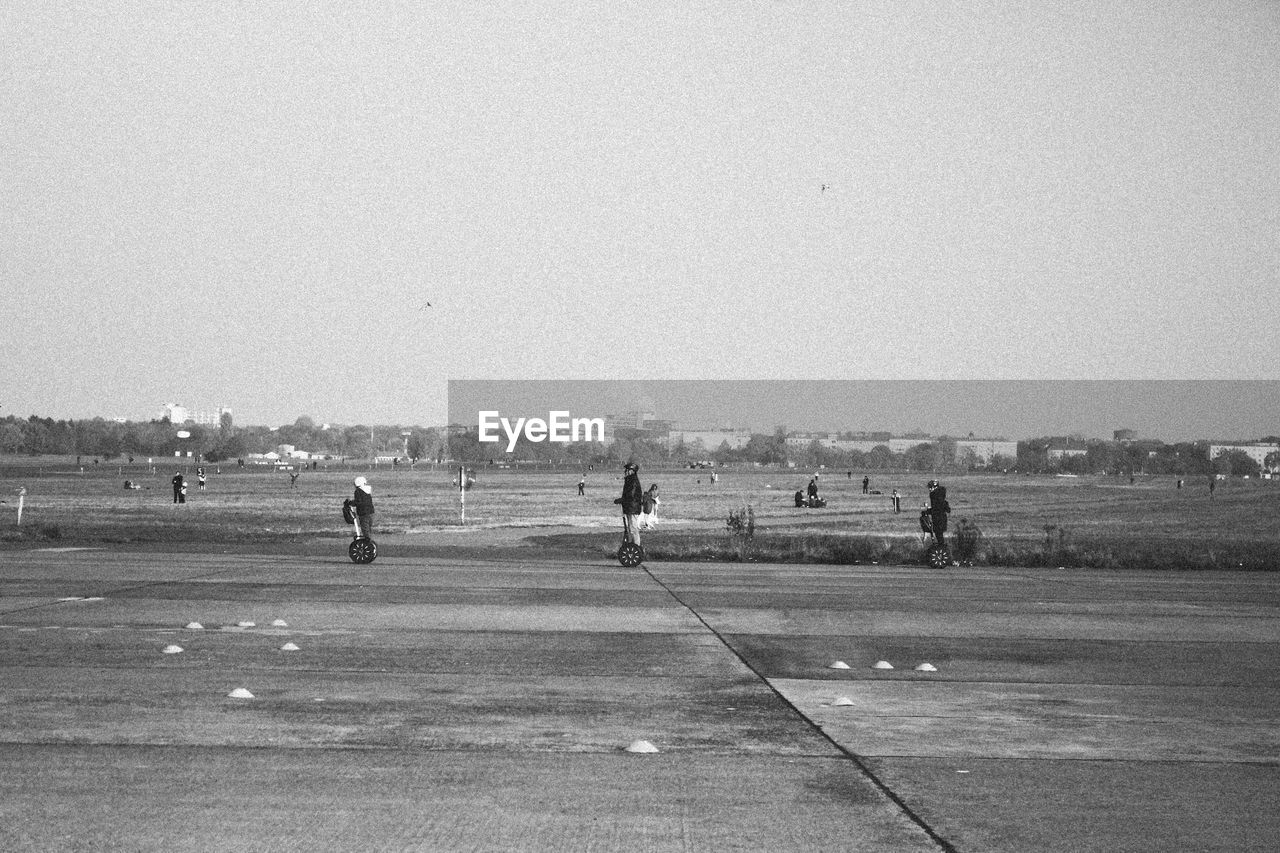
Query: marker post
pixel 22 494
pixel 462 491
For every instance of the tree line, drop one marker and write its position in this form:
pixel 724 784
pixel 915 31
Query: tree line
pixel 105 439
pixel 101 438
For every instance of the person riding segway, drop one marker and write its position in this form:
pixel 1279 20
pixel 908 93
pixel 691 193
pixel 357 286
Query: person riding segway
pixel 630 553
pixel 938 556
pixel 358 510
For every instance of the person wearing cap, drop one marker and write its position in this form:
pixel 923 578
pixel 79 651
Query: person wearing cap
pixel 362 503
pixel 632 501
pixel 938 510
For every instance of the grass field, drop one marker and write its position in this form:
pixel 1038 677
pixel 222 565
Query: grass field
pixel 1085 521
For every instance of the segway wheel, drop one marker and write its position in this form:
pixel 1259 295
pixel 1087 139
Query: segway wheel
pixel 630 555
pixel 362 550
pixel 938 556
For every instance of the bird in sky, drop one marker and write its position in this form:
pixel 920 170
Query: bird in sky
pixel 423 307
pixel 824 187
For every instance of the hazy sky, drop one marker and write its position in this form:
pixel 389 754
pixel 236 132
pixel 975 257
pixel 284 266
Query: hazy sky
pixel 251 204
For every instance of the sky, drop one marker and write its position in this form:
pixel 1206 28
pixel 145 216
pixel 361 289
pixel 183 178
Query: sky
pixel 333 209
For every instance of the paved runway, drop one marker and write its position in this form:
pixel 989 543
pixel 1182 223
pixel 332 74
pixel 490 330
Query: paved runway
pixel 486 704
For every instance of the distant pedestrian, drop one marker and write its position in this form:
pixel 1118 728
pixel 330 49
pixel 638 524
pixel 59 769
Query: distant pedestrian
pixel 649 508
pixel 866 484
pixel 200 478
pixel 813 490
pixel 362 504
pixel 179 488
pixel 582 485
pixel 896 500
pixel 293 479
pixel 1179 482
pixel 1213 484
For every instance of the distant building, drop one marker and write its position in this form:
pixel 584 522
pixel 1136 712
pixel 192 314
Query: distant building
pixel 981 451
pixel 1256 451
pixel 181 414
pixel 711 438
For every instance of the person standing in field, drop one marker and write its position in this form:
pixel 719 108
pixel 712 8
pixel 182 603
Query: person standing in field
pixel 1213 484
pixel 939 509
pixel 866 484
pixel 362 503
pixel 179 488
pixel 649 508
pixel 582 485
pixel 200 478
pixel 632 501
pixel 896 500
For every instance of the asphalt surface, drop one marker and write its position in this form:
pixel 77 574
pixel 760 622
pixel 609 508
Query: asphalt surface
pixel 487 704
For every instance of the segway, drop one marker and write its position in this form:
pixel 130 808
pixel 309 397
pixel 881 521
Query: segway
pixel 362 549
pixel 629 553
pixel 937 555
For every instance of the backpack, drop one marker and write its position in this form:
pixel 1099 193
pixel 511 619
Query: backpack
pixel 348 514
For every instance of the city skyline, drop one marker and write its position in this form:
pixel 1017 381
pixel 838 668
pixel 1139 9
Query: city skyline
pixel 1169 410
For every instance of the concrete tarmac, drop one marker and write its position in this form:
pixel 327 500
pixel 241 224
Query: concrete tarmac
pixel 486 704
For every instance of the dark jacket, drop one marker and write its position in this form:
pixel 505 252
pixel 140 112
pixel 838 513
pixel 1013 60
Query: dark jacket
pixel 939 508
pixel 632 494
pixel 363 502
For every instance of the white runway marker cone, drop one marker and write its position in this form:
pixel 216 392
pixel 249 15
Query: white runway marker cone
pixel 194 626
pixel 239 693
pixel 288 647
pixel 882 664
pixel 246 624
pixel 843 700
pixel 643 747
pixel 172 650
pixel 838 665
pixel 280 623
pixel 926 667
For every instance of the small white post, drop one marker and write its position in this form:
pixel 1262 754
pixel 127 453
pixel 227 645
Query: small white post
pixel 462 492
